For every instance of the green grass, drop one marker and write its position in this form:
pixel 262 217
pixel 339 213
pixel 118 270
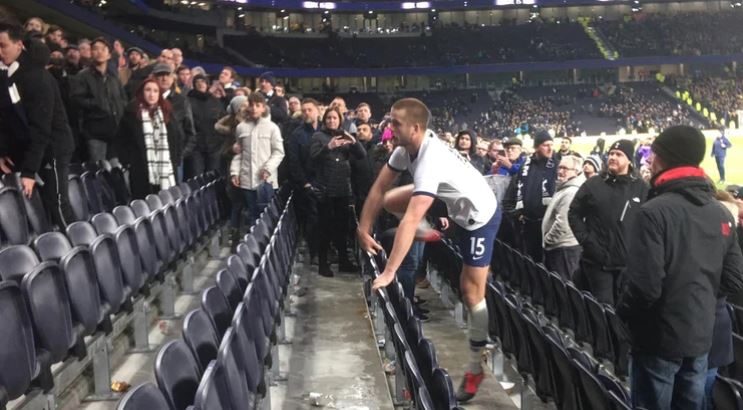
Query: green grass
pixel 733 162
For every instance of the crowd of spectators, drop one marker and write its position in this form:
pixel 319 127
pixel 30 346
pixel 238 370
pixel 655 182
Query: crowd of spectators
pixel 689 33
pixel 634 110
pixel 723 95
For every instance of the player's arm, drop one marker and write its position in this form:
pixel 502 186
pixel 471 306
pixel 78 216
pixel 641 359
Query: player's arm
pixel 417 208
pixel 372 208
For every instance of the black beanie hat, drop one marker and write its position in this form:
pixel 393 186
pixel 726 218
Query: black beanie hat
pixel 680 145
pixel 626 146
pixel 541 137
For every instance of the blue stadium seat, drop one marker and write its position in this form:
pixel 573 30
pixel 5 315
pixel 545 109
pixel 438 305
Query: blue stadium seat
pixel 38 220
pixel 145 396
pixel 13 225
pixel 237 384
pixel 727 394
pixel 442 391
pixel 128 248
pixel 239 270
pixel 82 286
pixel 230 288
pixel 217 307
pixel 18 365
pixel 78 199
pixel 200 336
pixel 245 350
pixel 177 374
pixel 52 246
pixel 211 393
pixel 16 261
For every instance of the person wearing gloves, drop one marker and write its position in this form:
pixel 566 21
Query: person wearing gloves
pixel 262 149
pixel 561 249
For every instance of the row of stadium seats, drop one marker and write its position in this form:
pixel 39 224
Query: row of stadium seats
pixel 418 377
pixel 66 295
pixel 228 355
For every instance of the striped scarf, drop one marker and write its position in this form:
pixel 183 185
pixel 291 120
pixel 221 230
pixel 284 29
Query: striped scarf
pixel 158 153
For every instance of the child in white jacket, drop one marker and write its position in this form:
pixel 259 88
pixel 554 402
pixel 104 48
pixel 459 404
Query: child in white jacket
pixel 262 150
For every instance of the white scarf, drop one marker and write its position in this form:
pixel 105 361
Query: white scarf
pixel 158 153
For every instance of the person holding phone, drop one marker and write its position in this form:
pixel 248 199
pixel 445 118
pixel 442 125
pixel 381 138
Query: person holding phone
pixel 330 152
pixel 510 159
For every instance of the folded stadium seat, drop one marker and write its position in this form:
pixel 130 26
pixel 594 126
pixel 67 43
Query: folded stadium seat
pixel 200 336
pixel 93 191
pixel 617 403
pixel 185 188
pixel 177 374
pixel 413 334
pixel 727 394
pixel 237 268
pixel 216 306
pixel 442 391
pixel 16 261
pixel 236 382
pixel 211 393
pixel 151 263
pixel 78 198
pixel 566 383
pixel 508 337
pixel 493 325
pixel 602 346
pixel 13 224
pixel 117 181
pixel 200 211
pixel 543 367
pixel 535 284
pixel 157 220
pixel 421 397
pixel 35 213
pixel 191 206
pixel 176 193
pixel 524 360
pixel 257 330
pixel 107 264
pixel 548 294
pixel 18 361
pixel 166 197
pixel 735 370
pixel 108 196
pixel 254 248
pixel 46 295
pixel 181 210
pixel 620 340
pixel 515 272
pixel 425 357
pixel 144 396
pixel 523 265
pixel 170 220
pixel 230 288
pixel 245 349
pixel 564 311
pixel 592 393
pixel 614 387
pixel 52 246
pixel 580 315
pixel 262 233
pixel 247 257
pixel 128 248
pixel 212 204
pixel 82 286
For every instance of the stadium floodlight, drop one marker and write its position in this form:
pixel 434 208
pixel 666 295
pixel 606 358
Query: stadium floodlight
pixel 505 2
pixel 327 5
pixel 309 4
pixel 408 5
pixel 423 5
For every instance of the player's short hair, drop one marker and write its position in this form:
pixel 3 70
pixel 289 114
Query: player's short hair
pixel 312 101
pixel 415 110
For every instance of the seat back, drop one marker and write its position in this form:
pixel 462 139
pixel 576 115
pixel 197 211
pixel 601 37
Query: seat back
pixel 211 392
pixel 52 246
pixel 46 295
pixel 177 374
pixel 108 196
pixel 78 199
pixel 442 390
pixel 727 394
pixel 237 384
pixel 217 307
pixel 144 396
pixel 200 336
pixel 93 191
pixel 166 197
pixel 247 257
pixel 602 346
pixel 593 394
pixel 124 215
pixel 154 202
pixel 13 225
pixel 236 266
pixel 105 223
pixel 82 285
pixel 18 355
pixel 119 185
pixel 228 285
pixel 566 385
pixel 38 220
pixel 16 261
pixel 140 208
pixel 580 315
pixel 129 258
pixel 245 348
pixel 81 233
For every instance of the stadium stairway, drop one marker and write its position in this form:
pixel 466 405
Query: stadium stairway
pixel 607 49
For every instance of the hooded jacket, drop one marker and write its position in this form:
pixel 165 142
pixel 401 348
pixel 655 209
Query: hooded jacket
pixel 555 225
pixel 601 209
pixel 684 254
pixel 262 149
pixel 531 190
pixel 36 130
pixel 207 110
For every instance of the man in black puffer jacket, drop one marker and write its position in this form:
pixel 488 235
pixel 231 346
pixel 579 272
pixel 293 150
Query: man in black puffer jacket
pixel 207 110
pixel 684 253
pixel 601 209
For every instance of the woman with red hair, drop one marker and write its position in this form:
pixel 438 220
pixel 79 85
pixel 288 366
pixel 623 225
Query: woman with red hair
pixel 143 141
